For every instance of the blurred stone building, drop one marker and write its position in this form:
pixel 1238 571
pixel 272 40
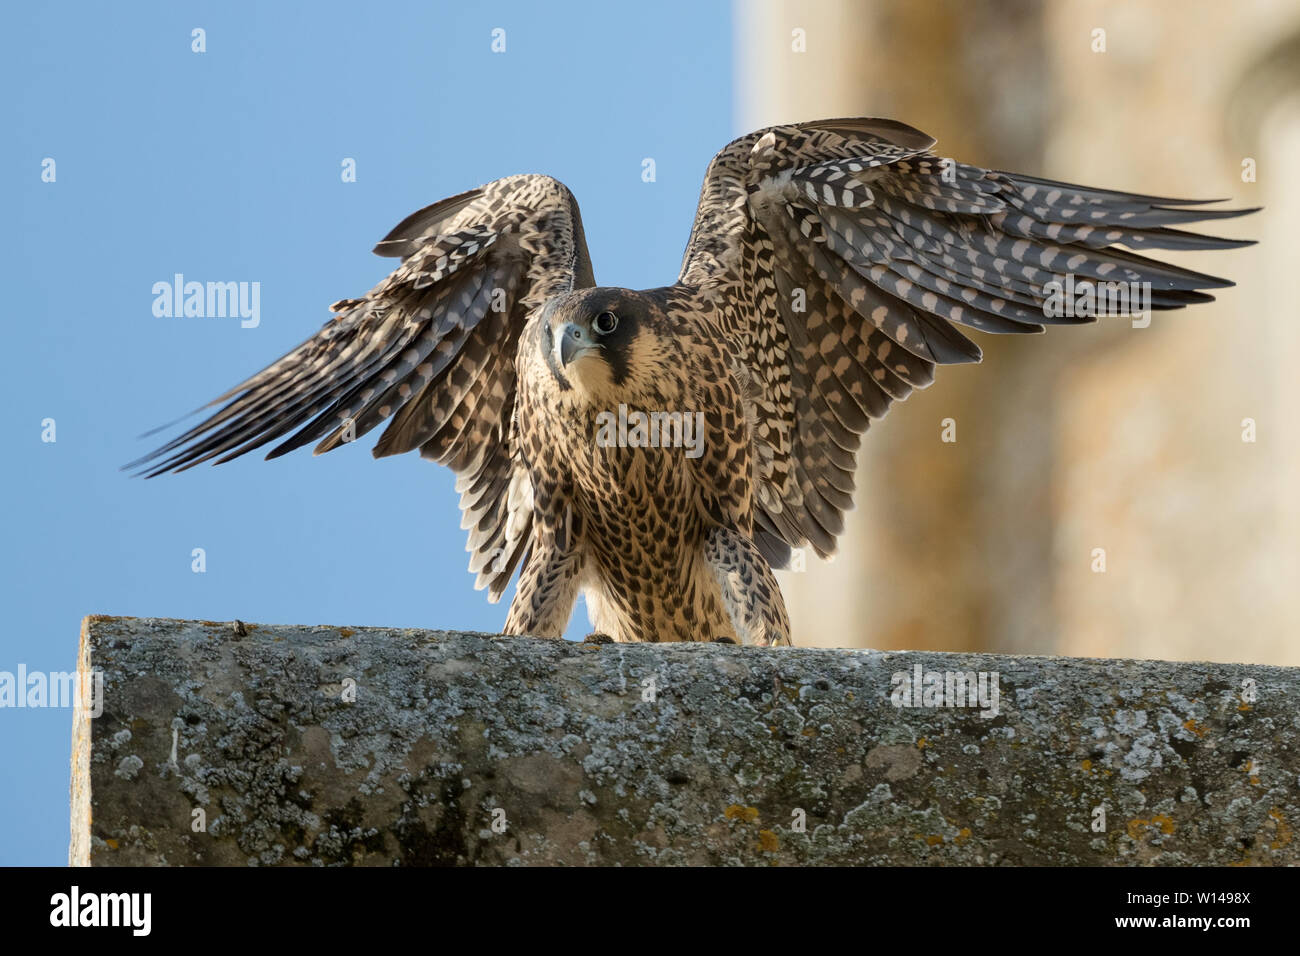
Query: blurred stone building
pixel 1107 438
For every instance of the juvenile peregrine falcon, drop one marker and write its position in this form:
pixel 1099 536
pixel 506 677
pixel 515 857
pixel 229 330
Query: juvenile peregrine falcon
pixel 661 451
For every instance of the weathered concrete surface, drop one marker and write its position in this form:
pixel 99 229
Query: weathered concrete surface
pixel 667 754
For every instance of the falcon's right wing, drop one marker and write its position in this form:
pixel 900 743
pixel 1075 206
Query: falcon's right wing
pixel 847 255
pixel 432 348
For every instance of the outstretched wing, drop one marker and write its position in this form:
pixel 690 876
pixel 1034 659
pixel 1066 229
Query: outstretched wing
pixel 431 347
pixel 844 255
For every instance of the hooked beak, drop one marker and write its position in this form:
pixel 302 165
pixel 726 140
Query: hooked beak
pixel 572 343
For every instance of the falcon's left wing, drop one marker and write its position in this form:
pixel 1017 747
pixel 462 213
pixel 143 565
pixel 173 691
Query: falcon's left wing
pixel 431 347
pixel 845 255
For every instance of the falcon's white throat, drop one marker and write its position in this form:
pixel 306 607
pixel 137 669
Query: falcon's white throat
pixel 587 371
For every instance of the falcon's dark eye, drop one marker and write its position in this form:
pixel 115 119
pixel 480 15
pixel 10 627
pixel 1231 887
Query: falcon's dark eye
pixel 605 323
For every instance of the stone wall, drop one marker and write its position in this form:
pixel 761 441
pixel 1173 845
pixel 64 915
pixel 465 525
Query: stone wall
pixel 222 743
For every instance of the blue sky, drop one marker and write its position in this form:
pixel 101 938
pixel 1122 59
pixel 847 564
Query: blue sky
pixel 225 166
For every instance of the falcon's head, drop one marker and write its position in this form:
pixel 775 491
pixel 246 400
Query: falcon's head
pixel 609 345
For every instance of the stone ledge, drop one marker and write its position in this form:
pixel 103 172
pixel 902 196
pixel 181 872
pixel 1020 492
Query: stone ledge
pixel 217 747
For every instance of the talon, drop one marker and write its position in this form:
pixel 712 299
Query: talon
pixel 723 640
